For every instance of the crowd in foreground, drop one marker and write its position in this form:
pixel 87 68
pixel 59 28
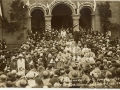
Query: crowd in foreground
pixel 82 59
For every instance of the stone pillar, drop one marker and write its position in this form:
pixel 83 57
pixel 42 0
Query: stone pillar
pixel 48 22
pixel 75 22
pixel 93 21
pixel 29 23
pixel 97 21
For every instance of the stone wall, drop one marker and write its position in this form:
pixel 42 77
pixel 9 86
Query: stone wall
pixel 115 13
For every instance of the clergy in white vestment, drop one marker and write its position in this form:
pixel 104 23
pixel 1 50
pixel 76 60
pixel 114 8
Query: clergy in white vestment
pixel 63 33
pixel 85 49
pixel 21 64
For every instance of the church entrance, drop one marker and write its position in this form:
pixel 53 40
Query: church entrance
pixel 85 18
pixel 37 21
pixel 61 17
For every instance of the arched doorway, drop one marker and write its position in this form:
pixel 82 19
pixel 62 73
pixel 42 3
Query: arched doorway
pixel 85 18
pixel 61 17
pixel 37 21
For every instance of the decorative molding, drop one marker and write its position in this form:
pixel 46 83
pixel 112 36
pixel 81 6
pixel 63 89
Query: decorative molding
pixel 47 9
pixel 86 4
pixel 38 5
pixel 76 17
pixel 48 25
pixel 48 18
pixel 66 2
pixel 75 25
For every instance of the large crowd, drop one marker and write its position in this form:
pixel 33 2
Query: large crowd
pixel 61 59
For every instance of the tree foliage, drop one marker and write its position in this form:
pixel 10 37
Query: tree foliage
pixel 19 10
pixel 104 12
pixel 105 15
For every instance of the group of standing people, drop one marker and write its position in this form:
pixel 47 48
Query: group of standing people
pixel 60 59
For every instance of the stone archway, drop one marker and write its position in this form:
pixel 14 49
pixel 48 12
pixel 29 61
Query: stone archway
pixel 85 18
pixel 61 17
pixel 33 7
pixel 89 6
pixel 37 21
pixel 37 5
pixel 66 2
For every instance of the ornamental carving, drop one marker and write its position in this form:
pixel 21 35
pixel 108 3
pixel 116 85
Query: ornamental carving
pixel 86 4
pixel 38 5
pixel 67 2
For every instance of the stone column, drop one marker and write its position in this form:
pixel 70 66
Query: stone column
pixel 97 21
pixel 48 22
pixel 29 23
pixel 93 21
pixel 75 22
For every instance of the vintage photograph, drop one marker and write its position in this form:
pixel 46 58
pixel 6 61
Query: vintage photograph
pixel 60 44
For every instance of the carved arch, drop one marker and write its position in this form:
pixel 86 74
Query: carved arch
pixel 38 6
pixel 66 2
pixel 86 4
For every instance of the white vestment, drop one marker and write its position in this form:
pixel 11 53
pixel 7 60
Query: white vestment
pixel 21 66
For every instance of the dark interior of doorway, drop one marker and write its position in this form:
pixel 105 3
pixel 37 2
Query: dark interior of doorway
pixel 37 21
pixel 85 18
pixel 61 17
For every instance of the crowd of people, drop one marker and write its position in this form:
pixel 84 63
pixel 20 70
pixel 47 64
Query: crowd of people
pixel 60 59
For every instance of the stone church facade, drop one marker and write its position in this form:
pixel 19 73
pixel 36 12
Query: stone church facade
pixel 47 7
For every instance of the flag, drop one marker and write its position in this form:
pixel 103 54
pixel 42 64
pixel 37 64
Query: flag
pixel 0 11
pixel 28 3
pixel 94 5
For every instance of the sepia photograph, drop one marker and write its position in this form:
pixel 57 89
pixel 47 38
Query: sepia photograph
pixel 60 44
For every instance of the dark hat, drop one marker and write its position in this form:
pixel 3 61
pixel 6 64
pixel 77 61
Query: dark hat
pixel 118 71
pixel 74 74
pixel 108 74
pixel 21 83
pixel 57 72
pixel 38 80
pixel 66 67
pixel 67 71
pixel 74 67
pixel 9 84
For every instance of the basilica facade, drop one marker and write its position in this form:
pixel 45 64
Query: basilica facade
pixel 64 14
pixel 56 14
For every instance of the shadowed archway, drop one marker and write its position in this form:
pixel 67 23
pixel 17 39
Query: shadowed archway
pixel 61 17
pixel 37 21
pixel 85 18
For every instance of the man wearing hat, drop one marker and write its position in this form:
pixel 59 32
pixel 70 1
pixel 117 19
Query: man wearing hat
pixel 75 80
pixel 3 79
pixel 39 82
pixel 45 77
pixel 54 79
pixel 22 83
